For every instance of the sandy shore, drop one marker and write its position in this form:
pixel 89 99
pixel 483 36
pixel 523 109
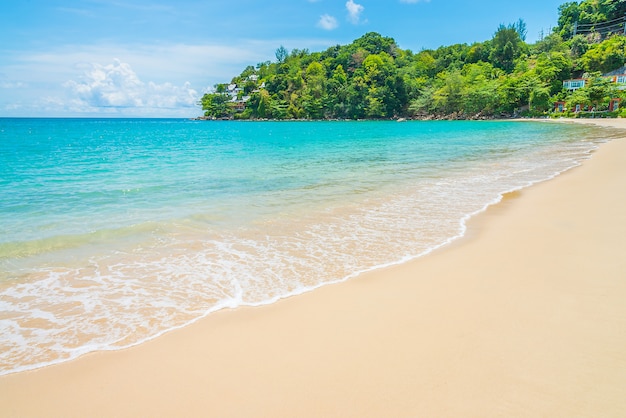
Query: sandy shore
pixel 526 316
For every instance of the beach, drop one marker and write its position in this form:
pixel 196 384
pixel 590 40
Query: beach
pixel 523 316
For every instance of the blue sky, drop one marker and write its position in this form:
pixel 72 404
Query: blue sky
pixel 155 58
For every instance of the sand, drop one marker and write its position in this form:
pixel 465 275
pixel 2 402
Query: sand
pixel 525 316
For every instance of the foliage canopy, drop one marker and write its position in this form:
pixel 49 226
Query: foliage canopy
pixel 374 78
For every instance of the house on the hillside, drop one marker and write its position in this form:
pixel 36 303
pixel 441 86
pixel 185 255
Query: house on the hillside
pixel 614 104
pixel 559 107
pixel 238 100
pixel 240 104
pixel 618 77
pixel 574 84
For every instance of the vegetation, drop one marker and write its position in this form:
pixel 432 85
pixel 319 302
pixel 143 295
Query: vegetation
pixel 374 78
pixel 602 15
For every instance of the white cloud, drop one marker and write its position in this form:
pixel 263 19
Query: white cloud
pixel 156 80
pixel 354 11
pixel 158 62
pixel 117 85
pixel 327 22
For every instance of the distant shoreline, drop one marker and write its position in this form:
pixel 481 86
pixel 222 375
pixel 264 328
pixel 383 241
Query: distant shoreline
pixel 409 119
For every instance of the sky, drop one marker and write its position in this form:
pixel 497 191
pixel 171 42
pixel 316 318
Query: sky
pixel 156 58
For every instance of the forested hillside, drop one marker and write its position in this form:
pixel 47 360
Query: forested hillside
pixel 373 77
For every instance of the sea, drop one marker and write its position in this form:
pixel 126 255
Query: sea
pixel 115 231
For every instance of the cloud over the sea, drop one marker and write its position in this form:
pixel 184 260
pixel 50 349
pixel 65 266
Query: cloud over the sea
pixel 117 85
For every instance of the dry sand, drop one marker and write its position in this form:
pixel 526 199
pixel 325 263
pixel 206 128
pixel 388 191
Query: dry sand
pixel 526 316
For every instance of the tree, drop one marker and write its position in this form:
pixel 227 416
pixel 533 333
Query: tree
pixel 215 105
pixel 451 57
pixel 569 15
pixel 339 75
pixel 449 97
pixel 424 103
pixel 534 90
pixel 539 100
pixel 374 43
pixel 580 98
pixel 520 28
pixel 551 43
pixel 599 89
pixel 264 107
pixel 507 47
pixel 587 13
pixel 479 52
pixel 605 56
pixel 578 45
pixel 313 91
pixel 424 64
pixel 552 68
pixel 480 89
pixel 355 98
pixel 281 54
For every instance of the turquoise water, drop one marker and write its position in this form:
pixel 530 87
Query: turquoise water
pixel 115 231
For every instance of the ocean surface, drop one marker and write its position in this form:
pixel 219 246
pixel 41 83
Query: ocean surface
pixel 114 231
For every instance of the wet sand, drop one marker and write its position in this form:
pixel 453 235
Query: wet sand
pixel 525 316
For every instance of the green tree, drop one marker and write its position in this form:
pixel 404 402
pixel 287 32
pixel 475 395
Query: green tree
pixel 605 56
pixel 578 45
pixel 451 57
pixel 600 90
pixel 449 96
pixel 374 43
pixel 507 47
pixel 355 98
pixel 551 43
pixel 539 100
pixel 423 104
pixel 480 89
pixel 511 90
pixel 264 107
pixel 569 15
pixel 281 54
pixel 339 75
pixel 424 64
pixel 580 98
pixel 216 105
pixel 313 92
pixel 587 13
pixel 520 28
pixel 552 68
pixel 479 51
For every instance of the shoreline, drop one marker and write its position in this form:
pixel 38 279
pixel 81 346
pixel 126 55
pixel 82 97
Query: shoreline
pixel 432 336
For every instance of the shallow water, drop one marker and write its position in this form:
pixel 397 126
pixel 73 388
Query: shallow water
pixel 115 231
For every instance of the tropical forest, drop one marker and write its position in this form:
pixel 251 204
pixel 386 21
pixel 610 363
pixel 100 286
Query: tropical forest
pixel 574 70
